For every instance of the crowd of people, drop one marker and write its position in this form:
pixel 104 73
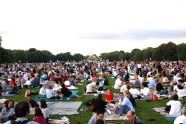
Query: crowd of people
pixel 145 80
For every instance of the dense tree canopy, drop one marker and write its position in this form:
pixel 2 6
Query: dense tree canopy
pixel 0 41
pixel 181 51
pixel 169 51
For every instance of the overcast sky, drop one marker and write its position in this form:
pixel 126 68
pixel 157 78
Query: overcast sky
pixel 87 27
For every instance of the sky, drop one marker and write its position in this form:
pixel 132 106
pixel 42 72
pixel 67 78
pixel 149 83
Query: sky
pixel 91 26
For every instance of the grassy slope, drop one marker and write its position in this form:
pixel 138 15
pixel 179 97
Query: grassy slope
pixel 143 109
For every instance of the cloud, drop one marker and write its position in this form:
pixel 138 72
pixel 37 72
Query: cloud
pixel 4 32
pixel 138 35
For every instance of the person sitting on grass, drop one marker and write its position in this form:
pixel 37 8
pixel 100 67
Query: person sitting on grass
pixel 7 110
pixel 32 103
pixel 181 119
pixel 39 116
pixel 109 96
pixel 42 91
pixel 175 107
pixel 144 90
pixel 98 105
pixel 134 91
pixel 132 119
pixel 44 109
pixel 98 119
pixel 50 93
pixel 65 92
pixel 123 106
pixel 22 110
pixel 130 97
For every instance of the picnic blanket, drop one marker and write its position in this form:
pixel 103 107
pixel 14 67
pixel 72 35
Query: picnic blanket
pixel 63 108
pixel 64 120
pixel 161 110
pixel 90 94
pixel 7 94
pixel 57 122
pixel 37 98
pixel 94 94
pixel 111 115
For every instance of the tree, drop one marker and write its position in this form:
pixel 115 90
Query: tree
pixel 127 56
pixel 0 41
pixel 78 57
pixel 181 48
pixel 64 56
pixel 147 53
pixel 19 56
pixel 136 55
pixel 6 55
pixel 171 51
pixel 32 50
pixel 166 52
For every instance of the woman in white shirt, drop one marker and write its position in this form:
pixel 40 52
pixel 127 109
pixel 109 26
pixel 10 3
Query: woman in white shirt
pixel 175 107
pixel 42 91
pixel 135 92
pixel 144 90
pixel 118 82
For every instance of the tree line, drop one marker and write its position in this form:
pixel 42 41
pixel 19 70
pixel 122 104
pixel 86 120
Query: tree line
pixel 169 52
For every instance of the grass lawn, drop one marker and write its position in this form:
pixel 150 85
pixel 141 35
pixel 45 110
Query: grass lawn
pixel 143 109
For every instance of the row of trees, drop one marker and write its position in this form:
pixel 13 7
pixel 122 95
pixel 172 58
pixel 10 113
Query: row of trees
pixel 34 55
pixel 169 51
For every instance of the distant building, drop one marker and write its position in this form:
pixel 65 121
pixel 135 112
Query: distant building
pixel 93 58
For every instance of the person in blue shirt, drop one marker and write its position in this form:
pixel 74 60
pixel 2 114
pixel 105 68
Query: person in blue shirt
pixel 153 83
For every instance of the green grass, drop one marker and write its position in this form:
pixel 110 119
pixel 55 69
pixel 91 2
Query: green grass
pixel 143 108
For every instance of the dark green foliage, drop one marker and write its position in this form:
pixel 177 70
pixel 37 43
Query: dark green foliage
pixel 181 49
pixel 78 57
pixel 169 52
pixel 5 55
pixel 166 52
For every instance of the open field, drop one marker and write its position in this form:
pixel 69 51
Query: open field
pixel 143 108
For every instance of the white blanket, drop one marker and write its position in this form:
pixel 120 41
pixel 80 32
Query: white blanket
pixel 63 108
